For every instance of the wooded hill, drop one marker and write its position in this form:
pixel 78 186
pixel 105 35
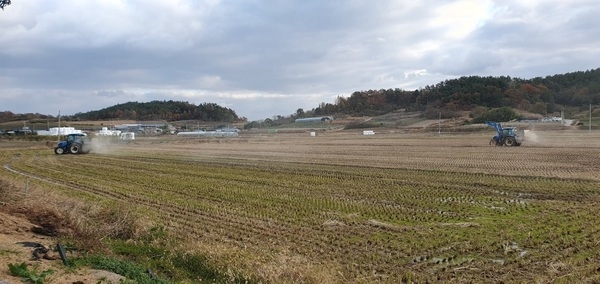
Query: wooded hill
pixel 538 95
pixel 162 110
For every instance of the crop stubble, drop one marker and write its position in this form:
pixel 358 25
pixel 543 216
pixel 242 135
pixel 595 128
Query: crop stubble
pixel 390 207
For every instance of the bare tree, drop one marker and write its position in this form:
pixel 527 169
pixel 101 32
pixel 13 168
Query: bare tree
pixel 4 3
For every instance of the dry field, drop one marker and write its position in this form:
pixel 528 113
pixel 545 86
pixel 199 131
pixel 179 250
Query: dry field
pixel 342 208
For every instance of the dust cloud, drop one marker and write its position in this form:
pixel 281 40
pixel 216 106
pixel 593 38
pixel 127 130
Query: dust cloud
pixel 105 145
pixel 572 138
pixel 531 137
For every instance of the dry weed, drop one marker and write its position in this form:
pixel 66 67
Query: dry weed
pixel 283 266
pixel 7 190
pixel 62 217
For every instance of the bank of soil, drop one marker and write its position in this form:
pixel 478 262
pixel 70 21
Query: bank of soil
pixel 16 246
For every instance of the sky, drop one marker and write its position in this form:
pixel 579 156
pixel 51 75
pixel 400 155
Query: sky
pixel 266 58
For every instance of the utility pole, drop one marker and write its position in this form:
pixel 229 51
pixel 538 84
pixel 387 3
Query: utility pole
pixel 58 126
pixel 439 122
pixel 590 126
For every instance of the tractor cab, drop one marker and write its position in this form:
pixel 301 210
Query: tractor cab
pixel 72 137
pixel 510 131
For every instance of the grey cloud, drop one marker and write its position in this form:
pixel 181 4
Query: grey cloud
pixel 110 94
pixel 465 61
pixel 283 50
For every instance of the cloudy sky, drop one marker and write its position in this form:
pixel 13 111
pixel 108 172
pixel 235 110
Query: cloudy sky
pixel 270 57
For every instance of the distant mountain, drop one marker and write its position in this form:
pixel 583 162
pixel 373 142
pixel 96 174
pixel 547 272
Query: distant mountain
pixel 8 116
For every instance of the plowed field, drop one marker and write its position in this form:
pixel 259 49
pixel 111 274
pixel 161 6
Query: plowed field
pixel 342 207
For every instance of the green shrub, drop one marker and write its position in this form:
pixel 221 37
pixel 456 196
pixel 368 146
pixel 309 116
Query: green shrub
pixel 499 114
pixel 362 125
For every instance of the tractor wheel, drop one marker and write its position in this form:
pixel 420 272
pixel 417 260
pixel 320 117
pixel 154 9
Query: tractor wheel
pixel 75 148
pixel 59 151
pixel 510 141
pixel 494 142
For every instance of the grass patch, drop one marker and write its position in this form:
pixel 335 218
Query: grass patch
pixel 29 275
pixel 363 125
pixel 170 264
pixel 130 270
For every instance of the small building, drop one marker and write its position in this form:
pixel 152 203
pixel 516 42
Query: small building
pixel 129 127
pixel 145 127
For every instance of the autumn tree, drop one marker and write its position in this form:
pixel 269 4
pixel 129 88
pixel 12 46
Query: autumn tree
pixel 4 3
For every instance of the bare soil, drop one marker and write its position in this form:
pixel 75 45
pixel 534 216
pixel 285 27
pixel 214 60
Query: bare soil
pixel 16 246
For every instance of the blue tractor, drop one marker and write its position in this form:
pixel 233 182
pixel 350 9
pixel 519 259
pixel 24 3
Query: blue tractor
pixel 506 136
pixel 76 143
